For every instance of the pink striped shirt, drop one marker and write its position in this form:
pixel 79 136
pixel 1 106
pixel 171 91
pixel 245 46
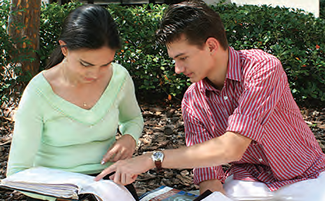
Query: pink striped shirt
pixel 255 102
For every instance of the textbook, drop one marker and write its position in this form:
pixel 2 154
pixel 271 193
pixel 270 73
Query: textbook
pixel 66 185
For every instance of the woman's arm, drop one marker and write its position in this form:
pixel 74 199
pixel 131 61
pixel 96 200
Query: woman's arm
pixel 27 132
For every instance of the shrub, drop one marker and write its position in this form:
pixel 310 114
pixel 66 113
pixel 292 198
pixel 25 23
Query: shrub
pixel 322 9
pixel 296 38
pixel 51 20
pixel 10 83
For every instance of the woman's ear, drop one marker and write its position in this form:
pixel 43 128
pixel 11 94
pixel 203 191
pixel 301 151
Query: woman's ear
pixel 64 48
pixel 212 44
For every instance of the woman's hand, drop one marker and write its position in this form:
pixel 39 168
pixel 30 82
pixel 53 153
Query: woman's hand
pixel 126 171
pixel 123 148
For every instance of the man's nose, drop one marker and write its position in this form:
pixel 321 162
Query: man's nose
pixel 178 68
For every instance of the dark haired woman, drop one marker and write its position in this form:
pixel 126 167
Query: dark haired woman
pixel 69 114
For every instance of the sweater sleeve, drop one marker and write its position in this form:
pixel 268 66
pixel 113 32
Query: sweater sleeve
pixel 27 135
pixel 130 116
pixel 27 132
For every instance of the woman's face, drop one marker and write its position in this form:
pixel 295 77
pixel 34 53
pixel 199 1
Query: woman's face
pixel 88 65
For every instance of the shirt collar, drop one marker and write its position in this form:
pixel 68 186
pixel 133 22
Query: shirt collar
pixel 234 65
pixel 234 71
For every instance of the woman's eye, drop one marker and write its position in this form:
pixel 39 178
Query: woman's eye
pixel 84 64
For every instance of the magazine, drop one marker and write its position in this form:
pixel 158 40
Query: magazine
pixel 66 185
pixel 165 193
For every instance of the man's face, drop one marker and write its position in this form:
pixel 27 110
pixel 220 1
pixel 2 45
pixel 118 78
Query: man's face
pixel 191 60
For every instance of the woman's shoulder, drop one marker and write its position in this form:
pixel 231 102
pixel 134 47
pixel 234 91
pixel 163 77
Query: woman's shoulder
pixel 37 84
pixel 120 72
pixel 119 68
pixel 37 81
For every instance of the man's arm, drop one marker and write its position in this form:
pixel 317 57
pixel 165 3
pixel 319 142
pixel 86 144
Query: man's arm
pixel 217 151
pixel 221 150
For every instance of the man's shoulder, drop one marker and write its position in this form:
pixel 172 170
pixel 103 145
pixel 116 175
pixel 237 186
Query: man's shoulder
pixel 256 55
pixel 193 89
pixel 193 93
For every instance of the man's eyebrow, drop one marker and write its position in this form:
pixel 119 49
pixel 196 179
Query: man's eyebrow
pixel 178 55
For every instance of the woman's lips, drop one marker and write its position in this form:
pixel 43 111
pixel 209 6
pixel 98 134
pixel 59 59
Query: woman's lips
pixel 90 79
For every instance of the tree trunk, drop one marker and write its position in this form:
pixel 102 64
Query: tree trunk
pixel 24 23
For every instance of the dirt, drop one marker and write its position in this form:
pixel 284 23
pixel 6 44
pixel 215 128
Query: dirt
pixel 163 129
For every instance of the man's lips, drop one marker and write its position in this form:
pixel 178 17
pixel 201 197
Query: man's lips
pixel 188 74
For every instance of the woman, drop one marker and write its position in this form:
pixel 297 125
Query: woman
pixel 69 114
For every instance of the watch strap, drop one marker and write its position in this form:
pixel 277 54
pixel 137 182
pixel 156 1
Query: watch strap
pixel 158 166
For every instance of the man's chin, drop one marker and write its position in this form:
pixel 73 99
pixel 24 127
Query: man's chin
pixel 194 80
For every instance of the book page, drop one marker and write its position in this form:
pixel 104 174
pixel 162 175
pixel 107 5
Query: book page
pixel 59 183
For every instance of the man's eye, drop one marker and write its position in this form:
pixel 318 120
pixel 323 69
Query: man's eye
pixel 183 58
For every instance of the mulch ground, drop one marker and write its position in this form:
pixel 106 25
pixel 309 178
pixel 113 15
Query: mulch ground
pixel 163 129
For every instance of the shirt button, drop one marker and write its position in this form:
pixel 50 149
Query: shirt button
pixel 225 97
pixel 260 160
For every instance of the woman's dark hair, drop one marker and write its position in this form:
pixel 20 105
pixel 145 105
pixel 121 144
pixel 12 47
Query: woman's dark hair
pixel 193 18
pixel 89 26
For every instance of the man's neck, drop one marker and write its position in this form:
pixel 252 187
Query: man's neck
pixel 218 76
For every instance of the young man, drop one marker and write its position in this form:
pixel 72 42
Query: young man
pixel 238 110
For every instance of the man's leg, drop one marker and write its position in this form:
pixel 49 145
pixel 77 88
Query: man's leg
pixel 308 190
pixel 247 190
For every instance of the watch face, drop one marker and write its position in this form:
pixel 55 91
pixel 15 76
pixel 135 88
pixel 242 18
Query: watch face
pixel 157 156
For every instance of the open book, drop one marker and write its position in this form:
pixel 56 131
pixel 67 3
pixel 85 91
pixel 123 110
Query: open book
pixel 62 184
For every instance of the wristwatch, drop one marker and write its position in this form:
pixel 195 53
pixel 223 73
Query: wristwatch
pixel 158 157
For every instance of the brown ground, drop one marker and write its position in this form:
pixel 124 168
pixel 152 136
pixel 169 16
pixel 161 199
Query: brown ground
pixel 164 129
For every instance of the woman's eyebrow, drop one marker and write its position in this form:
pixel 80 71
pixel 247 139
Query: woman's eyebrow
pixel 90 64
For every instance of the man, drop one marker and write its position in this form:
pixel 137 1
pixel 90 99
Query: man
pixel 238 110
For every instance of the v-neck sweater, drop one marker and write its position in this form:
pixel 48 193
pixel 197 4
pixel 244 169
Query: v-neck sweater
pixel 52 132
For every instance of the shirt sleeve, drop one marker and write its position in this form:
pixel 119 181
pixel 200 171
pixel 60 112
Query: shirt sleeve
pixel 27 132
pixel 130 116
pixel 195 133
pixel 264 83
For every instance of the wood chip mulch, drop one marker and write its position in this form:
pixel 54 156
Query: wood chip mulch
pixel 163 129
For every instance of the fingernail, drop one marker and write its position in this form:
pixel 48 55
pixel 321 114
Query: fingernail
pixel 102 162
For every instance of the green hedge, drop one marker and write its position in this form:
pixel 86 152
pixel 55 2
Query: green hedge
pixel 322 9
pixel 297 39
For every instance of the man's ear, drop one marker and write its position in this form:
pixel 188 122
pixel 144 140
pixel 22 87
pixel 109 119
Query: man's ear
pixel 213 45
pixel 64 48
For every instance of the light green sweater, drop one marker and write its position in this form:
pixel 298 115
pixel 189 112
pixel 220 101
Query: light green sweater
pixel 52 132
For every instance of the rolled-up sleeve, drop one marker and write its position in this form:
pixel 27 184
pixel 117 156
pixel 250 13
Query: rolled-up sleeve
pixel 263 86
pixel 195 134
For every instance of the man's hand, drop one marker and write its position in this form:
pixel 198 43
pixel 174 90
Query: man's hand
pixel 212 185
pixel 122 149
pixel 126 171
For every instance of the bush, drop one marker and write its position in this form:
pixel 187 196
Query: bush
pixel 297 39
pixel 10 67
pixel 322 9
pixel 51 20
